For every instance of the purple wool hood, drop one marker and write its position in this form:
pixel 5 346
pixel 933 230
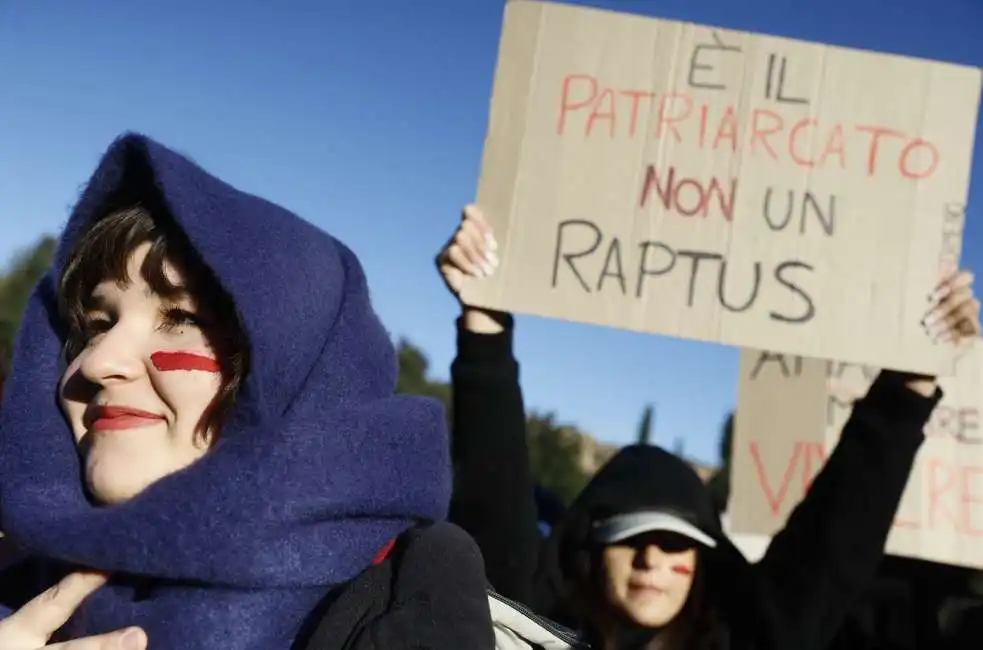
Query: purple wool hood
pixel 319 466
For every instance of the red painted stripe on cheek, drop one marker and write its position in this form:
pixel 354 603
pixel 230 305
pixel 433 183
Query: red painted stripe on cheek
pixel 186 361
pixel 682 570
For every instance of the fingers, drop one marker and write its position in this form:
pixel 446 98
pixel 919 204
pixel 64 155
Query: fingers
pixel 129 639
pixel 949 283
pixel 473 214
pixel 42 616
pixel 954 312
pixel 476 243
pixel 471 251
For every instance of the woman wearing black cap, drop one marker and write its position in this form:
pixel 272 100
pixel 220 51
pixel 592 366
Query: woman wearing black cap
pixel 640 559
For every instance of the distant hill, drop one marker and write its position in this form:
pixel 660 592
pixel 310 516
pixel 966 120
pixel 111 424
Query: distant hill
pixel 594 454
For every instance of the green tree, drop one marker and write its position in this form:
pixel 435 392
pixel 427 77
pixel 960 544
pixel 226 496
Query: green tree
pixel 720 482
pixel 554 454
pixel 414 375
pixel 16 285
pixel 644 436
pixel 554 449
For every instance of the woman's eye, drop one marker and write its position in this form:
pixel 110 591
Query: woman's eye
pixel 88 331
pixel 94 327
pixel 177 318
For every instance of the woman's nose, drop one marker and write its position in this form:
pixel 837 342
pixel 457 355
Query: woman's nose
pixel 650 556
pixel 114 358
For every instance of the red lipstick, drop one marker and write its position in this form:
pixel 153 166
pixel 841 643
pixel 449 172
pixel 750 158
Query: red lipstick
pixel 186 361
pixel 118 418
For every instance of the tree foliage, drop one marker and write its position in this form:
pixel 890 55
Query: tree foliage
pixel 16 285
pixel 720 482
pixel 554 455
pixel 644 436
pixel 554 449
pixel 414 375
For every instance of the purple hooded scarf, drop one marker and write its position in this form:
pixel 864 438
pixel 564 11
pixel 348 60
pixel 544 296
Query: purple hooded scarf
pixel 319 466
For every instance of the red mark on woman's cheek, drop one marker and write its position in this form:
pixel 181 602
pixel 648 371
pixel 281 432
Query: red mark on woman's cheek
pixel 682 569
pixel 187 361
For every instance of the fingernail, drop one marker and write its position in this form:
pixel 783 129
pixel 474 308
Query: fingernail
pixel 492 244
pixel 939 294
pixel 493 260
pixel 935 329
pixel 941 333
pixel 132 640
pixel 488 269
pixel 931 319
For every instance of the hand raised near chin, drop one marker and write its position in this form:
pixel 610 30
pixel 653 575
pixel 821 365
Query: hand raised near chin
pixel 30 627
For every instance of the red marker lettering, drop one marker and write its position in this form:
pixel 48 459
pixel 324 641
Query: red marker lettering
pixel 682 569
pixel 187 361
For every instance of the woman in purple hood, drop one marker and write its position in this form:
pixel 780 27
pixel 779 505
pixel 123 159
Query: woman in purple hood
pixel 200 431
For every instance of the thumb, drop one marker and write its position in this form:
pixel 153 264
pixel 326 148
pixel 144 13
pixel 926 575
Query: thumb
pixel 47 612
pixel 454 278
pixel 129 639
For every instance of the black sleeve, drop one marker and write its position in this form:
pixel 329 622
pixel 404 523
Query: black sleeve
pixel 439 600
pixel 494 491
pixel 827 554
pixel 428 594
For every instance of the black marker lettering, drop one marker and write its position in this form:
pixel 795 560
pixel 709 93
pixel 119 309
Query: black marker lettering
pixel 644 270
pixel 569 257
pixel 809 204
pixel 695 64
pixel 780 359
pixel 614 253
pixel 780 272
pixel 722 282
pixel 780 89
pixel 766 210
pixel 827 219
pixel 697 257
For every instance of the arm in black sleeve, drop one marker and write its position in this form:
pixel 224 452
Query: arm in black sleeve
pixel 493 489
pixel 828 552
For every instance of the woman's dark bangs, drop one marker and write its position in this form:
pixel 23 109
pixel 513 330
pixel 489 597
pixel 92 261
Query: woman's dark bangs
pixel 101 254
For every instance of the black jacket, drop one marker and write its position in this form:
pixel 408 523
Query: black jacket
pixel 795 598
pixel 428 594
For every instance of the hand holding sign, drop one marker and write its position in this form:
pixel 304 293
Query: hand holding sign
pixel 954 315
pixel 470 252
pixel 953 318
pixel 940 517
pixel 32 625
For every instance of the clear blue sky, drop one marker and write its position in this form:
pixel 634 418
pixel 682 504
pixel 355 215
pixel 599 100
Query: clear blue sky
pixel 367 117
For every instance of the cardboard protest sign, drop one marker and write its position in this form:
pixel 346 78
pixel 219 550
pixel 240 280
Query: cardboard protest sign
pixel 789 416
pixel 719 185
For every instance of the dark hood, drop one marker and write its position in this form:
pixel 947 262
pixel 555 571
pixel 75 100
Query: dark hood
pixel 639 477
